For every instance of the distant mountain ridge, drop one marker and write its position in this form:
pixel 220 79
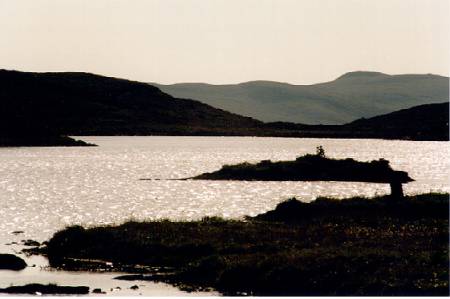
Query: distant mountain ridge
pixel 349 97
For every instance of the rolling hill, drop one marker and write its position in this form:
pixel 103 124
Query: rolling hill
pixel 424 122
pixel 349 97
pixel 43 108
pixel 43 104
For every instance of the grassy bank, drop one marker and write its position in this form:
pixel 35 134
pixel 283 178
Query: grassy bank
pixel 377 246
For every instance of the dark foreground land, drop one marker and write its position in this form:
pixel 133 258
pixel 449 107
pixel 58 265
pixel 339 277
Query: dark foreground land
pixel 357 246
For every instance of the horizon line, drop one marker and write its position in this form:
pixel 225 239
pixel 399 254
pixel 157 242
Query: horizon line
pixel 225 84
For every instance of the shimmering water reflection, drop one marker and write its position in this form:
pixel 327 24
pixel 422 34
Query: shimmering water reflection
pixel 45 189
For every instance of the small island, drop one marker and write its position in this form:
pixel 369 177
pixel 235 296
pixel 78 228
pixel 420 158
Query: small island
pixel 316 167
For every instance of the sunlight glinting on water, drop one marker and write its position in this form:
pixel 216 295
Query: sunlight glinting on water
pixel 45 189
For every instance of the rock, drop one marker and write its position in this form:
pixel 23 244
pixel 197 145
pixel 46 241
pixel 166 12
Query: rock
pixel 130 277
pixel 11 262
pixel 135 287
pixel 17 232
pixel 31 243
pixel 98 291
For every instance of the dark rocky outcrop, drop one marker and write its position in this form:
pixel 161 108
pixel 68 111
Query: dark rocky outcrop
pixel 11 262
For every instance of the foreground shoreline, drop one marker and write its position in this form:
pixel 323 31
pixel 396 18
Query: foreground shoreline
pixel 357 246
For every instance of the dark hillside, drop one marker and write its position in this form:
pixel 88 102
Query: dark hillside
pixel 424 122
pixel 87 104
pixel 39 108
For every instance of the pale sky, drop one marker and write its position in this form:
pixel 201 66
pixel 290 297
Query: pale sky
pixel 226 41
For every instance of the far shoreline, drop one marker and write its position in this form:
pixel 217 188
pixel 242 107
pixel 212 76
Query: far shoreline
pixel 258 136
pixel 42 141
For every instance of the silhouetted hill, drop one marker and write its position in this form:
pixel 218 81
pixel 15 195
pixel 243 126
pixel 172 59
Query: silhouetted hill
pixel 43 104
pixel 349 97
pixel 429 122
pixel 424 122
pixel 42 108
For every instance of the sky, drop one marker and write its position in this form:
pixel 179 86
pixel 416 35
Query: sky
pixel 226 41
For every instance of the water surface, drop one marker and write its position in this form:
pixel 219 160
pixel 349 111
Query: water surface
pixel 43 189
